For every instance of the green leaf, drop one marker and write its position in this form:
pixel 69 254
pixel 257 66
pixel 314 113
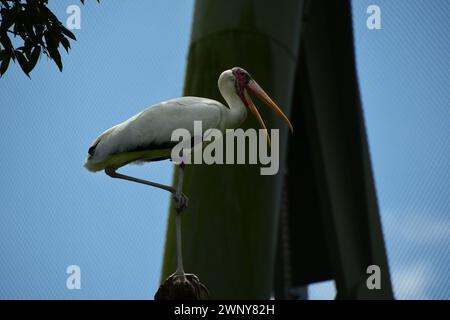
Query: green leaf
pixel 34 57
pixel 50 41
pixel 28 46
pixel 4 65
pixel 57 58
pixel 68 33
pixel 7 19
pixel 52 48
pixel 23 62
pixel 3 55
pixel 50 15
pixel 30 30
pixel 65 43
pixel 6 42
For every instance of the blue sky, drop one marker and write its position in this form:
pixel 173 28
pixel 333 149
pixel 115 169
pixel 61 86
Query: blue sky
pixel 131 54
pixel 404 74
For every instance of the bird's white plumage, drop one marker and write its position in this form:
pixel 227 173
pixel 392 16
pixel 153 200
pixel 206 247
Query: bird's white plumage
pixel 138 132
pixel 151 129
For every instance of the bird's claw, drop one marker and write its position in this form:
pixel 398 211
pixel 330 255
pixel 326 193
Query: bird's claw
pixel 181 201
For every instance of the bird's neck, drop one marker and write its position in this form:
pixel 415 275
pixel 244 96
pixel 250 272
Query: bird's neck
pixel 237 112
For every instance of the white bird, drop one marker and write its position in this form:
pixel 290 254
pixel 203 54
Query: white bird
pixel 147 135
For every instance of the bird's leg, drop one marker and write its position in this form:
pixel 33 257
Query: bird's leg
pixel 178 209
pixel 180 199
pixel 181 202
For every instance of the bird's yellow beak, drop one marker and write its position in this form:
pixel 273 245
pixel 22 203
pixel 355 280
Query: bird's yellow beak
pixel 254 87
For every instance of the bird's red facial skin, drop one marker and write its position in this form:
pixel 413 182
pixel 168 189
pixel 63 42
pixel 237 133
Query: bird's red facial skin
pixel 242 78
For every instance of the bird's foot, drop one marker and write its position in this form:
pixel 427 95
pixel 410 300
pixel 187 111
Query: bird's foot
pixel 181 201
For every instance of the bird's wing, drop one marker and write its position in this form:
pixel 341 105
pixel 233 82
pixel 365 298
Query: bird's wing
pixel 152 128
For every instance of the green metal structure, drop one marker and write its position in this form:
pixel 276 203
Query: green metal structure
pixel 301 52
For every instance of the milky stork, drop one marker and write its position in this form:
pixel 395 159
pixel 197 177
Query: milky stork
pixel 147 135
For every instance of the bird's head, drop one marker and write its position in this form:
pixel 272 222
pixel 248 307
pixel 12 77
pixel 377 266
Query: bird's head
pixel 244 83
